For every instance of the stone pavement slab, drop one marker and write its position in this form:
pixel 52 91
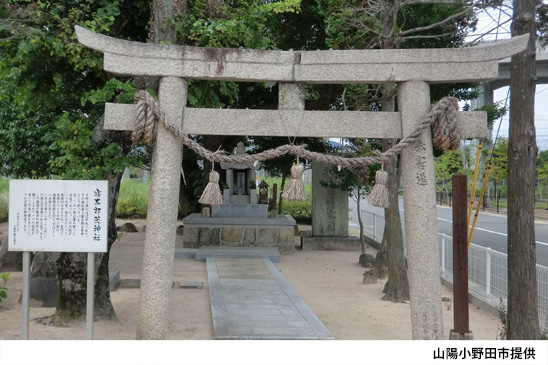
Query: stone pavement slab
pixel 270 253
pixel 251 300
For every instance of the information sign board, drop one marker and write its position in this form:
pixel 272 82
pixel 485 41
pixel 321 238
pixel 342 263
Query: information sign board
pixel 58 215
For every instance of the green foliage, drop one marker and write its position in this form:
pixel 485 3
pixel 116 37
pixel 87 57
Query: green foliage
pixel 300 211
pixel 133 199
pixel 542 164
pixel 23 152
pixel 445 165
pixel 230 24
pixel 4 276
pixel 495 111
pixel 4 199
pixel 54 89
pixel 499 170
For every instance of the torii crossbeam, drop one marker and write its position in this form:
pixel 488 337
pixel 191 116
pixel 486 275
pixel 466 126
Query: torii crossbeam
pixel 412 69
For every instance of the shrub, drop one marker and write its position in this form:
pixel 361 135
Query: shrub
pixel 4 277
pixel 4 207
pixel 300 211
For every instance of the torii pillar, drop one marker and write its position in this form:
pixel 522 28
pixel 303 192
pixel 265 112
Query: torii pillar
pixel 419 190
pixel 166 158
pixel 413 71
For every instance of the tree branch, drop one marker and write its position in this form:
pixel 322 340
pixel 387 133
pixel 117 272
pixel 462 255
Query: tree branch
pixel 431 26
pixel 433 36
pixel 471 3
pixel 486 33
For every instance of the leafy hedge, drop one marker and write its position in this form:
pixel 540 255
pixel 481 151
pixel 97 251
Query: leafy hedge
pixel 301 211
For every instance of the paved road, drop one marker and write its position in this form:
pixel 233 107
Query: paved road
pixel 490 229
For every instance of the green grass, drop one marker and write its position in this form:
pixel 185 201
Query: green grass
pixel 133 199
pixel 4 201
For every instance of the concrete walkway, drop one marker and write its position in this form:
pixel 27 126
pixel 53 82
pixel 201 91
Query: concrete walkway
pixel 251 300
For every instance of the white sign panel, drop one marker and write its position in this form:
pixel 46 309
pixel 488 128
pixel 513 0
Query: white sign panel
pixel 58 215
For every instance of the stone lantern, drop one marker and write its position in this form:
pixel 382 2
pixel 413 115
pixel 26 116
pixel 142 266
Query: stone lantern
pixel 263 192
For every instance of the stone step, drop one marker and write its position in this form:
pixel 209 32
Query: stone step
pixel 113 278
pixel 270 253
pixel 185 253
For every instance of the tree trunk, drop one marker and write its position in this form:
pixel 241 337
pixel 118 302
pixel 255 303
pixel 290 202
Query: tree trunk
pixel 523 322
pixel 397 286
pixel 360 219
pixel 281 200
pixel 72 272
pixel 72 267
pixel 188 202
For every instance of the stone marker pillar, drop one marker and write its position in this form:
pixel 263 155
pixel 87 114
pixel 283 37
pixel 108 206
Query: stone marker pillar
pixel 329 206
pixel 162 214
pixel 420 219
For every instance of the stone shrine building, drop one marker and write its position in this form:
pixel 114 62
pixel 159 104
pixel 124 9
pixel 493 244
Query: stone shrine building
pixel 241 221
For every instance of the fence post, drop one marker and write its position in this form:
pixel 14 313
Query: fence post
pixel 488 272
pixel 374 226
pixel 443 254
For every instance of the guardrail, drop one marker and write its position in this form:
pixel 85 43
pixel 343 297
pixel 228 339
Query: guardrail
pixel 487 268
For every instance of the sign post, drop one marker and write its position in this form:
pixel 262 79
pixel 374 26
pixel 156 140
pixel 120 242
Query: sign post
pixel 58 216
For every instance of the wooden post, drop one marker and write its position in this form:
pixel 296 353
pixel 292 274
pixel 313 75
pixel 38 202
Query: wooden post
pixel 461 329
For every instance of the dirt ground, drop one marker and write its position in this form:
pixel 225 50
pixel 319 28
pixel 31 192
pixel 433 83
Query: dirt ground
pixel 329 281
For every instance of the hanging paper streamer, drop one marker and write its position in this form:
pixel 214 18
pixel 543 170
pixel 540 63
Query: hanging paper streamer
pixel 295 188
pixel 212 193
pixel 379 193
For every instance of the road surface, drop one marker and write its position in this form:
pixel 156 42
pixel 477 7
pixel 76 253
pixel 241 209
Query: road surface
pixel 490 230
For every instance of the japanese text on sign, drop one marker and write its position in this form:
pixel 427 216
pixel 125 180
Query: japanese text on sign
pixel 58 215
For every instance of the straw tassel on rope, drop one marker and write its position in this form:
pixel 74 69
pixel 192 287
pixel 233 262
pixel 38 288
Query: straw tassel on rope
pixel 212 192
pixel 379 193
pixel 295 188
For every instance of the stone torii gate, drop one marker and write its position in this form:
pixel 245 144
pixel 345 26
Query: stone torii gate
pixel 412 69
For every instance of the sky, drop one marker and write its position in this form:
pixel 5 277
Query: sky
pixel 488 21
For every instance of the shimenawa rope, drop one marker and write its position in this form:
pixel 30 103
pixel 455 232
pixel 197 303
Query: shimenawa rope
pixel 443 116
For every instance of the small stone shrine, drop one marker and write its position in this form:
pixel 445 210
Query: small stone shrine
pixel 240 198
pixel 241 221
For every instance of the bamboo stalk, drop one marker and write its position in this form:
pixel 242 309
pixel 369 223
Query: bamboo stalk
pixel 485 179
pixel 472 194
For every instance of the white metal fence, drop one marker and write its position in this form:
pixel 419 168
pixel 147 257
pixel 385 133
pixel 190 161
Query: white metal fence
pixel 487 268
pixel 487 275
pixel 373 225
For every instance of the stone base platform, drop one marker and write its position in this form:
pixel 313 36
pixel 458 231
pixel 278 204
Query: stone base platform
pixel 240 232
pixel 350 243
pixel 241 210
